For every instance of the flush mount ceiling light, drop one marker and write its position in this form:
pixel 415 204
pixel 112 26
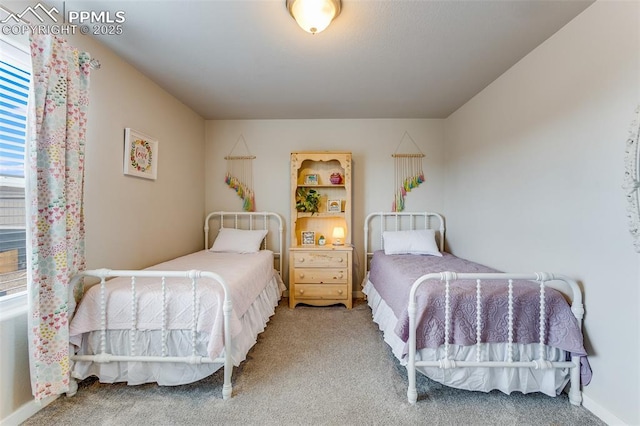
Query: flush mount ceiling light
pixel 313 16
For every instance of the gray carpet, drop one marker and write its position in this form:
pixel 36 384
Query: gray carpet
pixel 316 366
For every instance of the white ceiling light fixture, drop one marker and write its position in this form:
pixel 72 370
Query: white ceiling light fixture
pixel 313 16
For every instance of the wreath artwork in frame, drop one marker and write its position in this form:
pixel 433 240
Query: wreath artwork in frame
pixel 140 154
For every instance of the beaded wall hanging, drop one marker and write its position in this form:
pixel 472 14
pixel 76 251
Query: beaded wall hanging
pixel 408 173
pixel 239 175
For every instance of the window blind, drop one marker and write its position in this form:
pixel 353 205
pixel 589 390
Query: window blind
pixel 14 95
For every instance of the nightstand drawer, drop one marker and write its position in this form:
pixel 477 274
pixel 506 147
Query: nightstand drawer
pixel 320 259
pixel 321 291
pixel 320 275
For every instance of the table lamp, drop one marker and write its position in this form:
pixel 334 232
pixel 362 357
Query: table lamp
pixel 338 236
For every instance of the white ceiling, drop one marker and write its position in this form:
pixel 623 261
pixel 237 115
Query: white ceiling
pixel 242 59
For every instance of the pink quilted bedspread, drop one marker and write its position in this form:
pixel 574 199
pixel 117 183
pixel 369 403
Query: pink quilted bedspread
pixel 246 275
pixel 392 276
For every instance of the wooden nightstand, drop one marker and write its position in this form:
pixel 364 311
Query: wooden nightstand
pixel 321 276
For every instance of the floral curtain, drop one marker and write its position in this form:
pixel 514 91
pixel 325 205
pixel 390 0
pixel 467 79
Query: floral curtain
pixel 55 180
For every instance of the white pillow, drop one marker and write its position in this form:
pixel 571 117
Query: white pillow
pixel 238 240
pixel 421 241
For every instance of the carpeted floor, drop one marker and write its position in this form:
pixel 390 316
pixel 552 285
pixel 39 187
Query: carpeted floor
pixel 311 366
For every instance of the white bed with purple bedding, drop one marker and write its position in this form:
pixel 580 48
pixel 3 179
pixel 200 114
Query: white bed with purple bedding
pixel 466 325
pixel 179 321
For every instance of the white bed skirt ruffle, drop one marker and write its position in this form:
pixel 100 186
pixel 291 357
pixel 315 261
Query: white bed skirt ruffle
pixel 526 380
pixel 178 344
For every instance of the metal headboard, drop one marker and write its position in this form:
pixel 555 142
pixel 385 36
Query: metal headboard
pixel 397 221
pixel 251 220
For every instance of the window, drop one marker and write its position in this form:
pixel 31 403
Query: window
pixel 15 74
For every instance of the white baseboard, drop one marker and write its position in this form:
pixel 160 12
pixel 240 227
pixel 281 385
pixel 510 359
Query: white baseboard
pixel 25 411
pixel 601 412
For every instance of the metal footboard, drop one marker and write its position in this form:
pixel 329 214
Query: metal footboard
pixel 545 280
pixel 104 357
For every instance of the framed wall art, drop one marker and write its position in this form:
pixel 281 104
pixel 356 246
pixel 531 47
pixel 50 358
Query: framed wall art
pixel 140 154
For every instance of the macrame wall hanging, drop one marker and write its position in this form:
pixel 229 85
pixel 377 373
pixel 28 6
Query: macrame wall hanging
pixel 408 172
pixel 240 175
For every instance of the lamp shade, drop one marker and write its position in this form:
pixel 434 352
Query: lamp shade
pixel 338 236
pixel 313 16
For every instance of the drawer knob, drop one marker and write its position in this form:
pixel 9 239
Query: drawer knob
pixel 301 291
pixel 301 275
pixel 339 291
pixel 301 259
pixel 341 260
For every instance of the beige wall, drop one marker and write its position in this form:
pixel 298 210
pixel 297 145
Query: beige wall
pixel 534 180
pixel 130 222
pixel 133 222
pixel 372 142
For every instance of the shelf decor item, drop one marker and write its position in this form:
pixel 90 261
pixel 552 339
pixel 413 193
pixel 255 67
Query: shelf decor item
pixel 335 178
pixel 308 238
pixel 307 200
pixel 311 180
pixel 334 205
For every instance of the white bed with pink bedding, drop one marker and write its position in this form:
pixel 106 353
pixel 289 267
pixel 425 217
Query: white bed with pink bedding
pixel 466 325
pixel 179 321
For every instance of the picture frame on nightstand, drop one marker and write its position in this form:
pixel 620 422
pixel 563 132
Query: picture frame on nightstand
pixel 308 238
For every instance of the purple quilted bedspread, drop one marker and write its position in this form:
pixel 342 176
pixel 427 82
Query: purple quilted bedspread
pixel 392 276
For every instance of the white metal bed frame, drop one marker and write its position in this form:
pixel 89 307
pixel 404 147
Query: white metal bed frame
pixel 238 219
pixel 568 287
